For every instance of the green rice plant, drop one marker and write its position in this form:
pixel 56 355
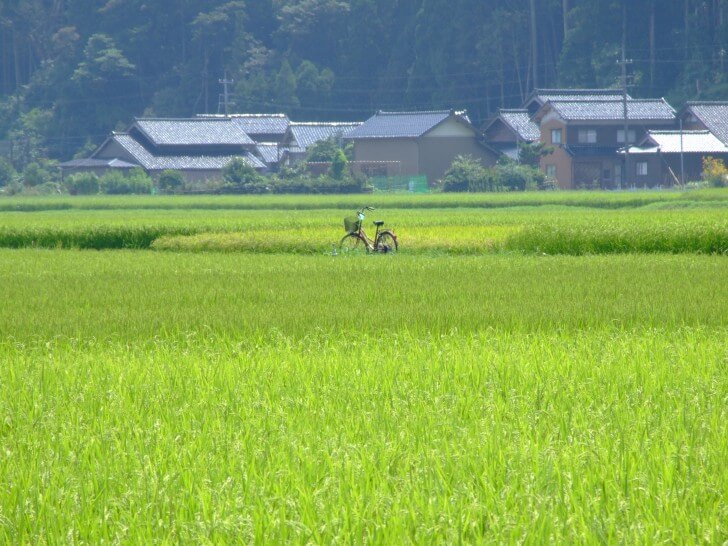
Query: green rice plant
pixel 590 437
pixel 607 237
pixel 547 228
pixel 595 199
pixel 233 397
pixel 132 295
pixel 87 237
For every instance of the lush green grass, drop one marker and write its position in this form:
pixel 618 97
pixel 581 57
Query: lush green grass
pixel 676 233
pixel 141 295
pixel 603 437
pixel 192 397
pixel 592 199
pixel 458 230
pixel 281 394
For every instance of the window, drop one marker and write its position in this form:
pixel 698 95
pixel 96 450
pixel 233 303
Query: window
pixel 642 168
pixel 587 136
pixel 551 171
pixel 630 133
pixel 555 136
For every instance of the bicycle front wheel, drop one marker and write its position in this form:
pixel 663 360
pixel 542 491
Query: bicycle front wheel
pixel 387 242
pixel 353 243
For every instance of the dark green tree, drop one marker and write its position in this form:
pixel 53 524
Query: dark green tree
pixel 531 153
pixel 285 88
pixel 339 164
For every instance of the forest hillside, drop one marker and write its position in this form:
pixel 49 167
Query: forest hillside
pixel 72 70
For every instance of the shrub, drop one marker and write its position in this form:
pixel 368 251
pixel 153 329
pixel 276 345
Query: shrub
pixel 170 181
pixel 466 174
pixel 516 177
pixel 241 177
pixel 323 151
pixel 46 188
pixel 715 172
pixel 82 184
pixel 339 163
pixel 697 185
pixel 136 182
pixel 35 175
pixel 321 184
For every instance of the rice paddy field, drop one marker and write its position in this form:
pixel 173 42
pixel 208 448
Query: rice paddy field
pixel 534 368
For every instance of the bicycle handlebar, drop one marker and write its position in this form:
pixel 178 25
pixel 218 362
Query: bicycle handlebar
pixel 361 210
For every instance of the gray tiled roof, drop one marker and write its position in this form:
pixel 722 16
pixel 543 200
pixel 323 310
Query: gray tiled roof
pixel 306 134
pixel 153 162
pixel 90 163
pixel 256 124
pixel 193 132
pixel 263 124
pixel 520 122
pixel 613 110
pixel 669 142
pixel 545 95
pixel 270 152
pixel 399 124
pixel 714 115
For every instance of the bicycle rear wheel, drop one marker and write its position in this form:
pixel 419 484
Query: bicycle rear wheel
pixel 353 243
pixel 387 242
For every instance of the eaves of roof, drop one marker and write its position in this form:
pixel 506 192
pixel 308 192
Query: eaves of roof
pixel 152 162
pixel 407 125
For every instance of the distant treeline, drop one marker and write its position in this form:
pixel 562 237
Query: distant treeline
pixel 71 71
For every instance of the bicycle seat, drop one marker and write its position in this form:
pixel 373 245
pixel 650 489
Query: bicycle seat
pixel 378 223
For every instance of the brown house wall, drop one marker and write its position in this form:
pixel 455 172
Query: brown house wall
pixel 559 157
pixel 499 132
pixel 437 154
pixel 692 125
pixel 402 150
pixel 113 150
pixel 659 165
pixel 607 134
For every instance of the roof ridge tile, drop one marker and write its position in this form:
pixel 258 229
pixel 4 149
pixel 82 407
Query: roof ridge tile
pixel 413 112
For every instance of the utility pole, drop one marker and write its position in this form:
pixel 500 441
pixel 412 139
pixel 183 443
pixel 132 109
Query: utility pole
pixel 623 63
pixel 682 156
pixel 225 82
pixel 534 43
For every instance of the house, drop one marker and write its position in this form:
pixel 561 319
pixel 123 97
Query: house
pixel 302 135
pixel 416 143
pixel 675 157
pixel 509 129
pixel 99 167
pixel 266 130
pixel 539 97
pixel 197 147
pixel 587 134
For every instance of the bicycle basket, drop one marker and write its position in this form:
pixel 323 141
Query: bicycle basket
pixel 352 224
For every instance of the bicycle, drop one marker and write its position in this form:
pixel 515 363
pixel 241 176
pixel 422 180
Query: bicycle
pixel 356 239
